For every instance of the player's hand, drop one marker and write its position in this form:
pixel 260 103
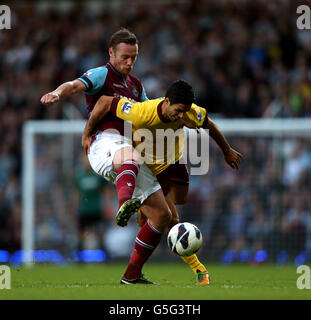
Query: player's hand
pixel 233 158
pixel 50 98
pixel 86 143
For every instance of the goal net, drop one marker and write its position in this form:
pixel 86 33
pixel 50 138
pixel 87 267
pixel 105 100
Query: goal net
pixel 261 212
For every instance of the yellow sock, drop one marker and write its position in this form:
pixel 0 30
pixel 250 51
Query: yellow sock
pixel 194 263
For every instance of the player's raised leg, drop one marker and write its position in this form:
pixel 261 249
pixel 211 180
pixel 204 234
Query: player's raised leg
pixel 115 159
pixel 126 164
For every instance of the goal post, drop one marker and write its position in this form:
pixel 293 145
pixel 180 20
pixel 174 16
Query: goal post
pixel 273 128
pixel 30 129
pixel 266 127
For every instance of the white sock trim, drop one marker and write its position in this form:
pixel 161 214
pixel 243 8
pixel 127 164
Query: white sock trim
pixel 153 228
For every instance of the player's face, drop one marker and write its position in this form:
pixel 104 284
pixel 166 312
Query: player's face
pixel 176 111
pixel 123 57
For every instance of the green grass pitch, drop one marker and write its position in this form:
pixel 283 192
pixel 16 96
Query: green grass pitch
pixel 101 282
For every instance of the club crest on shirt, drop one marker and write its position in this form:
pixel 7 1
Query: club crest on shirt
pixel 126 107
pixel 135 91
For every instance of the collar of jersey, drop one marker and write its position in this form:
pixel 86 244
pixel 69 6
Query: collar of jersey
pixel 159 111
pixel 116 71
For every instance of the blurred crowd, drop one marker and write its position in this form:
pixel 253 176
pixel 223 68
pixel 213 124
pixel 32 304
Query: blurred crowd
pixel 244 59
pixel 264 206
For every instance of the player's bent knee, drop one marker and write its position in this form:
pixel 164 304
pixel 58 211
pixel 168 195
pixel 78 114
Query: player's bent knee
pixel 167 217
pixel 162 219
pixel 164 216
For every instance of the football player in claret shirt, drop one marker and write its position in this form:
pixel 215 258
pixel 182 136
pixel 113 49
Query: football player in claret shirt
pixel 113 79
pixel 113 157
pixel 174 111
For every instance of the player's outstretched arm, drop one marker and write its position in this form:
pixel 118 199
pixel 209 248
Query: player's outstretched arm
pixel 64 91
pixel 232 157
pixel 101 108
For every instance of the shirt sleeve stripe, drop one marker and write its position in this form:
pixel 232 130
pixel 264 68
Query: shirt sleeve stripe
pixel 87 82
pixel 114 105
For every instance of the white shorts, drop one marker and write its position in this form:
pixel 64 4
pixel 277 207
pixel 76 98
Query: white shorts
pixel 101 155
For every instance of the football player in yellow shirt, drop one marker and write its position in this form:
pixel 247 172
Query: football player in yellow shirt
pixel 163 114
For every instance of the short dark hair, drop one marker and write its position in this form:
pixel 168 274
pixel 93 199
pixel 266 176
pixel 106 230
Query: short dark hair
pixel 122 36
pixel 180 91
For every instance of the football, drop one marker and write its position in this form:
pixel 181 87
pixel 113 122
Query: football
pixel 184 239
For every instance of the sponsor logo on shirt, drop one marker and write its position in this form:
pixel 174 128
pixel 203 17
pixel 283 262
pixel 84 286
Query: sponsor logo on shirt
pixel 124 97
pixel 126 107
pixel 118 85
pixel 135 91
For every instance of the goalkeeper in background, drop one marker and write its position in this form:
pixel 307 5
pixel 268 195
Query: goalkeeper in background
pixel 91 208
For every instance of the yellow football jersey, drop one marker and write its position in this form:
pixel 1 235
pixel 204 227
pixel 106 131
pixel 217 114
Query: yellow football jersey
pixel 159 141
